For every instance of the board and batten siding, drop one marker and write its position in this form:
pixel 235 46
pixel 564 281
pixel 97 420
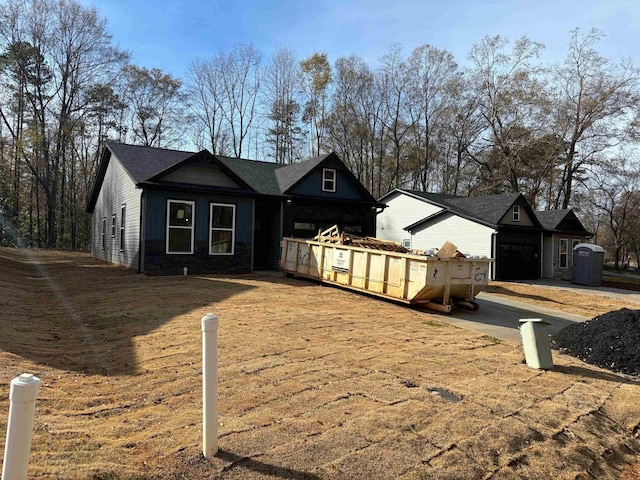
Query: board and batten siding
pixel 402 210
pixel 524 220
pixel 312 186
pixel 200 175
pixel 471 238
pixel 117 189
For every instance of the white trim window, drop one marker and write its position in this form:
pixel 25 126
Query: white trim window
pixel 180 221
pixel 563 253
pixel 104 233
pixel 516 213
pixel 123 209
pixel 222 229
pixel 329 179
pixel 406 243
pixel 113 226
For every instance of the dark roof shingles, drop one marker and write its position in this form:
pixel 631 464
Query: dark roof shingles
pixel 143 163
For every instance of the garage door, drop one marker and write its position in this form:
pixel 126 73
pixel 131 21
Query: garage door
pixel 517 261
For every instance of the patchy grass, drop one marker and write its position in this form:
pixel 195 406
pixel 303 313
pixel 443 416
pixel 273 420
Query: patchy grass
pixel 435 323
pixel 491 339
pixel 313 383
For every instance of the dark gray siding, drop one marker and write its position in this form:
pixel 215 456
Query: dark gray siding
pixel 157 261
pixel 200 175
pixel 117 189
pixel 351 218
pixel 312 185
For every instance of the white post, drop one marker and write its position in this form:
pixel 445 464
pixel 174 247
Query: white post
pixel 209 385
pixel 22 394
pixel 535 342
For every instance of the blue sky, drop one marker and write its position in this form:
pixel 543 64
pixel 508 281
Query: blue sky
pixel 169 34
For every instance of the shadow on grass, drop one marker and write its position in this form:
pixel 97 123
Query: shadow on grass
pixel 597 375
pixel 505 291
pixel 70 312
pixel 263 468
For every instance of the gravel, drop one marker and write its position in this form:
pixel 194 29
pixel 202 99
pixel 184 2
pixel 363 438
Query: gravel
pixel 610 341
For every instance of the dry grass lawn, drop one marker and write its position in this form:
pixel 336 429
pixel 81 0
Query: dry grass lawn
pixel 314 382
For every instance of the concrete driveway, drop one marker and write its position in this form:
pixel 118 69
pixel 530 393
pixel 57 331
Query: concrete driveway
pixel 499 317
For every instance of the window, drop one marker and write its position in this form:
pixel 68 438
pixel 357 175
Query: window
pixel 113 226
pixel 222 219
pixel 304 226
pixel 564 253
pixel 516 213
pixel 328 180
pixel 406 243
pixel 122 222
pixel 104 232
pixel 180 226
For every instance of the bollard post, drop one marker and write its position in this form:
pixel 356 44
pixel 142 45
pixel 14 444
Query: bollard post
pixel 209 385
pixel 22 396
pixel 535 342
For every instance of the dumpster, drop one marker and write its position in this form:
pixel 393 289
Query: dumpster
pixel 587 264
pixel 379 268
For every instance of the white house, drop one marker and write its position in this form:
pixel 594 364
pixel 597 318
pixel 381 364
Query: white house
pixel 503 227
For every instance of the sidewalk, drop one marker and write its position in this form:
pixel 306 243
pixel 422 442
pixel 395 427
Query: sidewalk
pixel 628 295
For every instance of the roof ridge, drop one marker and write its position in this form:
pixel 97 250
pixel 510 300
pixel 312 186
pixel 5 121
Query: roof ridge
pixel 115 142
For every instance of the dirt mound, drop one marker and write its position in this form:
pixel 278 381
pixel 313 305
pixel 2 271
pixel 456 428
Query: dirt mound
pixel 610 341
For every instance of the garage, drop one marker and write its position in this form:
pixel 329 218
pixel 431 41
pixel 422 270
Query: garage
pixel 518 255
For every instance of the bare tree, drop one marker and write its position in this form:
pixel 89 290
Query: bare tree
pixel 156 106
pixel 431 72
pixel 595 105
pixel 282 101
pixel 316 78
pixel 399 114
pixel 206 93
pixel 618 197
pixel 512 103
pixel 69 51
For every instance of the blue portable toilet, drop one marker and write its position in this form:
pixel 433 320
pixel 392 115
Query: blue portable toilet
pixel 588 260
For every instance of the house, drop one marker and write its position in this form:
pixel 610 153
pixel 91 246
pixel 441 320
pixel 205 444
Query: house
pixel 562 232
pixel 159 210
pixel 503 227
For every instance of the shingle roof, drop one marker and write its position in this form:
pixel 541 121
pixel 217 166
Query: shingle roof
pixel 146 164
pixel 551 218
pixel 289 175
pixel 259 175
pixel 565 221
pixel 489 209
pixel 142 163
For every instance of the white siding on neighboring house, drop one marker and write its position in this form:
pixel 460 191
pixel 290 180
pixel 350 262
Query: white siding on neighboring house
pixel 117 189
pixel 402 211
pixel 471 238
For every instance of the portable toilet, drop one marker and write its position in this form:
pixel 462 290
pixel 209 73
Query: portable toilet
pixel 587 264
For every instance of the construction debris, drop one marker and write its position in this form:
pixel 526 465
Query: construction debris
pixel 333 235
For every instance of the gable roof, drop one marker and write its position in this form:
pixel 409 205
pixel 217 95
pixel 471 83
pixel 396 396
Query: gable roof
pixel 147 165
pixel 487 210
pixel 289 175
pixel 562 221
pixel 144 163
pixel 258 175
pixel 551 218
